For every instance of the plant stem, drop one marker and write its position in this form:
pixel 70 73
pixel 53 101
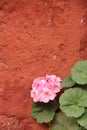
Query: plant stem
pixel 56 102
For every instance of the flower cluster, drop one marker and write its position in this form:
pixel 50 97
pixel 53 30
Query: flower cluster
pixel 45 88
pixel 56 108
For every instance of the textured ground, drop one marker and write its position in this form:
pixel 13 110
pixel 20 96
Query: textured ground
pixel 37 37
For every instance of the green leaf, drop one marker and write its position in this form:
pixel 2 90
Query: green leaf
pixel 68 82
pixel 73 101
pixel 79 72
pixel 83 120
pixel 73 110
pixel 62 122
pixel 44 113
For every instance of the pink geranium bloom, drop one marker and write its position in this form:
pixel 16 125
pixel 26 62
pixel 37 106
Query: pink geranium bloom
pixel 45 88
pixel 46 95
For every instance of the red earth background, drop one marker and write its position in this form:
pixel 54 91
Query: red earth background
pixel 37 37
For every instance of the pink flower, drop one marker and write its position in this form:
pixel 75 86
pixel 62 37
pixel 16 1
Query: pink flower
pixel 45 88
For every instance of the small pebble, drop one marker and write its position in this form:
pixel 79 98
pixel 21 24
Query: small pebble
pixel 54 57
pixel 1 89
pixel 82 21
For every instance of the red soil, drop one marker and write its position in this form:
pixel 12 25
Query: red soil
pixel 37 37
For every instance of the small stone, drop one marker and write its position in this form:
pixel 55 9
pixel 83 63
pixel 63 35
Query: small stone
pixel 82 21
pixel 54 57
pixel 45 4
pixel 1 89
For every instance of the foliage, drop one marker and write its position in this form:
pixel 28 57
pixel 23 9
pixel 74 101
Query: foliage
pixel 63 122
pixel 83 120
pixel 73 102
pixel 79 72
pixel 68 82
pixel 44 113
